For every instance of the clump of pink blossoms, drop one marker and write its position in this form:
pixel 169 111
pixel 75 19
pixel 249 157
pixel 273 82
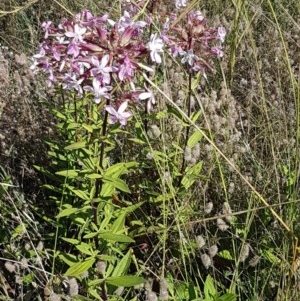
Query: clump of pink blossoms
pixel 104 58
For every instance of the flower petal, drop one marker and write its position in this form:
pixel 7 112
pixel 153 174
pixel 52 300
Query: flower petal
pixel 123 107
pixel 111 110
pixel 145 95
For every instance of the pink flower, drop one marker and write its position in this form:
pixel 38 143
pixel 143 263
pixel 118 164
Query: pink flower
pixel 73 83
pixel 126 70
pixel 46 26
pixel 73 49
pixel 119 115
pixel 217 51
pixel 101 70
pixel 98 91
pixel 77 34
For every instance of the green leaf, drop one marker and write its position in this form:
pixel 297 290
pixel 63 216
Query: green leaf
pixel 73 125
pixel 125 281
pixel 93 176
pixel 68 258
pixel 106 257
pixel 57 156
pixel 194 139
pixel 118 169
pixel 95 282
pixel 132 208
pixel 271 257
pixel 76 145
pixel 85 249
pixel 118 223
pixel 191 175
pixel 81 194
pixel 136 140
pixel 19 230
pixel 196 115
pixel 94 293
pixel 196 80
pixel 228 297
pixel 58 114
pixel 70 173
pixel 209 288
pixel 123 265
pixel 173 111
pixel 47 173
pixel 90 235
pixel 80 267
pixel 116 237
pixel 117 183
pixel 67 212
pixel 88 127
pixel 161 114
pixel 225 254
pixel 72 241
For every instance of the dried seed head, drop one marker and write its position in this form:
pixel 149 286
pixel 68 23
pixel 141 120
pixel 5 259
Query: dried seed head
pixel 148 284
pixel 213 250
pixel 222 225
pixel 206 260
pixel 163 293
pixel 119 291
pixel 254 261
pixel 164 284
pixel 40 246
pixel 73 287
pixel 27 246
pixel 84 275
pixel 154 132
pixel 101 266
pixel 208 207
pixel 10 266
pixel 196 151
pixel 244 252
pixel 151 296
pixel 200 241
pixel 187 154
pixel 227 212
pixel 24 263
pixel 54 297
pixel 231 188
pixel 19 280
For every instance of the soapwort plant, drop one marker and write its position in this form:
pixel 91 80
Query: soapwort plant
pixel 99 66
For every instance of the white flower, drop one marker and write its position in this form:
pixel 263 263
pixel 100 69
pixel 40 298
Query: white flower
pixel 119 115
pixel 188 57
pixel 71 82
pixel 221 34
pixel 148 95
pixel 180 3
pixel 155 45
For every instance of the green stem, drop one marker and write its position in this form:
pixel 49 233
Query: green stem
pixel 99 182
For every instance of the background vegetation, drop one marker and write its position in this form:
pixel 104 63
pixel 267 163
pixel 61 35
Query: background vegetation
pixel 230 233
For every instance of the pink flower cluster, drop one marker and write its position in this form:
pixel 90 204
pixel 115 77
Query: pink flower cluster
pixel 193 42
pixel 95 55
